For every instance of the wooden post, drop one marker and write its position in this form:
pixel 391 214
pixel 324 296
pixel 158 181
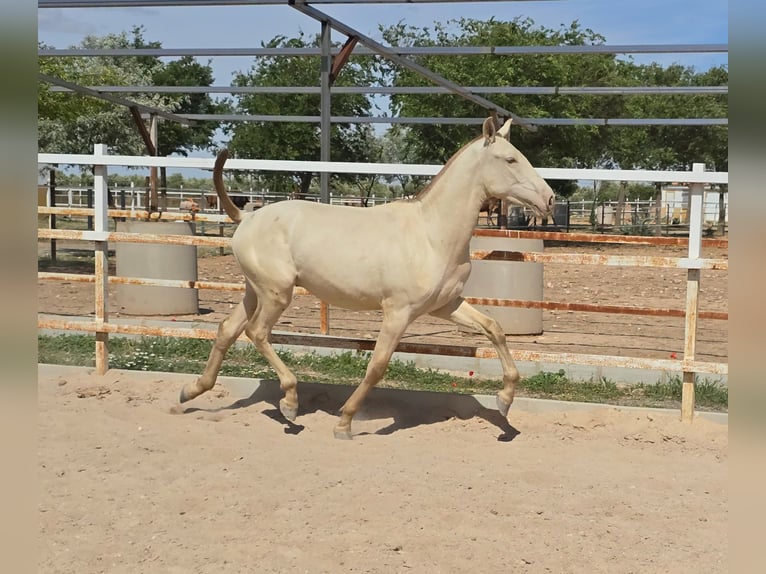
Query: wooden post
pixel 101 225
pixel 324 318
pixel 696 194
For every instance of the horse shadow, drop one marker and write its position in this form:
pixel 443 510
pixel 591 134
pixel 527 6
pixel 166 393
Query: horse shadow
pixel 406 409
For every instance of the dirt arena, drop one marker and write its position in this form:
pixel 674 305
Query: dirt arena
pixel 128 484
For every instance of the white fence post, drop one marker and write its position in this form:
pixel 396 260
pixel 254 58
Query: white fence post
pixel 696 215
pixel 101 253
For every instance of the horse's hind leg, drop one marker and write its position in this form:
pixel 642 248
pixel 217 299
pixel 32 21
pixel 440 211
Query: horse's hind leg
pixel 270 307
pixel 228 331
pixel 464 314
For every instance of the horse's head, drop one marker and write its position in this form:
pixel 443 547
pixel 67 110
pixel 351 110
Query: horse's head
pixel 508 175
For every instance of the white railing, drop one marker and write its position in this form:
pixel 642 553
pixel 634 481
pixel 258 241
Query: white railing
pixel 693 263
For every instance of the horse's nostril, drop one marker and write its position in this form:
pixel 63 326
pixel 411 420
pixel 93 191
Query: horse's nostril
pixel 550 202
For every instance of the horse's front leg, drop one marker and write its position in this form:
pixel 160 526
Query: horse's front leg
pixel 394 325
pixel 462 313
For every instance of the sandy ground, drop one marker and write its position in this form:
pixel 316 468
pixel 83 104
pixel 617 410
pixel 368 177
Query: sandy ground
pixel 563 331
pixel 226 486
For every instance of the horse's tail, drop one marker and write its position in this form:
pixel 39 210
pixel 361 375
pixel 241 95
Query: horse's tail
pixel 228 205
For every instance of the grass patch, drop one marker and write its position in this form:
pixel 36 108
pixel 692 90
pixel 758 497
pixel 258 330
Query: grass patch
pixel 348 368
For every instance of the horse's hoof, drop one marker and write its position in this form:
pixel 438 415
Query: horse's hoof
pixel 183 397
pixel 290 413
pixel 343 433
pixel 502 406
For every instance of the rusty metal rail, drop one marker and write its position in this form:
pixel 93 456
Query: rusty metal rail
pixel 507 233
pixel 596 238
pixel 519 303
pixel 138 214
pixel 358 344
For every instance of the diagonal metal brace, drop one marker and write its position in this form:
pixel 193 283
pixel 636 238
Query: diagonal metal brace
pixel 114 99
pixel 340 60
pixel 391 54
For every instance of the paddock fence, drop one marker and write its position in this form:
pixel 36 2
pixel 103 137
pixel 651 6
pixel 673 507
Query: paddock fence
pixel 693 263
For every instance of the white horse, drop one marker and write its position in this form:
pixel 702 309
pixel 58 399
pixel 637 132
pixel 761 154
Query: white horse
pixel 406 258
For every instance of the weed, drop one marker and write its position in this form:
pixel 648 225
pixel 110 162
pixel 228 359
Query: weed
pixel 348 368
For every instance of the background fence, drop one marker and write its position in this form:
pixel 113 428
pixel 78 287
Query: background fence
pixel 101 235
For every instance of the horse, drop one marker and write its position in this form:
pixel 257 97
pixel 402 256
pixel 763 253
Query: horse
pixel 406 258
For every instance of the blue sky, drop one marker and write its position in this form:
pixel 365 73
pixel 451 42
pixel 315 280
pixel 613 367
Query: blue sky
pixel 620 21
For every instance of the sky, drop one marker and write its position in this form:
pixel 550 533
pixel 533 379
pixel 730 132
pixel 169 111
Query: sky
pixel 620 21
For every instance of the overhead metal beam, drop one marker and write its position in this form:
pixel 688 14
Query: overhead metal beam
pixel 387 52
pixel 517 90
pixel 461 121
pixel 401 50
pixel 160 3
pixel 325 126
pixel 115 99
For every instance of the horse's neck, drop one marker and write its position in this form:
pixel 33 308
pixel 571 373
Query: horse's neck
pixel 451 206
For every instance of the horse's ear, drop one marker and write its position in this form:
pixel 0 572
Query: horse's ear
pixel 488 130
pixel 505 131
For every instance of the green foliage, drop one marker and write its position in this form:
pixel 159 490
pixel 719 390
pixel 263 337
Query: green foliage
pixel 567 147
pixel 176 138
pixel 707 393
pixel 671 147
pixel 348 368
pixel 72 122
pixel 301 141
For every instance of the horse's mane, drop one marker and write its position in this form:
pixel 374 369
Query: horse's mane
pixel 422 193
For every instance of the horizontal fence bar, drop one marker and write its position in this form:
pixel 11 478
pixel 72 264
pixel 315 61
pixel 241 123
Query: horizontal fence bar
pixel 616 260
pixel 416 90
pixel 596 238
pixel 112 280
pixel 455 121
pixel 240 287
pixel 509 233
pixel 588 308
pixel 494 255
pixel 118 236
pixel 399 50
pixel 372 168
pixel 282 338
pixel 139 214
pixel 188 3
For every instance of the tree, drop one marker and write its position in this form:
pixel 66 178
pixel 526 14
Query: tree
pixel 301 141
pixel 177 138
pixel 671 147
pixel 394 149
pixel 72 123
pixel 579 146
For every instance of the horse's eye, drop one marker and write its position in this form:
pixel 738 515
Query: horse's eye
pixel 510 159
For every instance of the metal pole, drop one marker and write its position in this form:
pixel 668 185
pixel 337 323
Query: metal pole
pixel 153 203
pixel 696 194
pixel 52 203
pixel 325 130
pixel 101 252
pixel 325 111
